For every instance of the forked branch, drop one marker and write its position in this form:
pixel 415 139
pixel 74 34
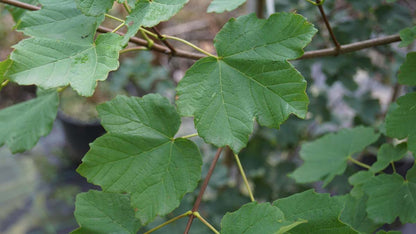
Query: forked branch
pixel 195 56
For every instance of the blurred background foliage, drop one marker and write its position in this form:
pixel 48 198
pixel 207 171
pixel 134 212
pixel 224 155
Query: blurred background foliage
pixel 38 188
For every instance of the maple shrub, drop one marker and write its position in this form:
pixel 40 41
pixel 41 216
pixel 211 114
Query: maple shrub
pixel 145 170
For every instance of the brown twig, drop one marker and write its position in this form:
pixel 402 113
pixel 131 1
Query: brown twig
pixel 351 47
pixel 21 5
pixel 164 41
pixel 185 54
pixel 328 26
pixel 202 191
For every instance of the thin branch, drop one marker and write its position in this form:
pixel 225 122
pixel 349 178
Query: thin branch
pixel 351 47
pixel 195 56
pixel 157 47
pixel 328 26
pixel 202 191
pixel 21 5
pixel 162 39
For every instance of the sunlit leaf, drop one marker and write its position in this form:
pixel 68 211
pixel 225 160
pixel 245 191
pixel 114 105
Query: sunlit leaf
pixel 251 79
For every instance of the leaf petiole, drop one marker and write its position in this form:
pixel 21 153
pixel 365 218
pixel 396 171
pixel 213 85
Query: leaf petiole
pixel 136 48
pixel 114 18
pixel 358 162
pixel 118 27
pixel 191 45
pixel 169 221
pixel 196 214
pixel 190 135
pixel 4 84
pixel 243 174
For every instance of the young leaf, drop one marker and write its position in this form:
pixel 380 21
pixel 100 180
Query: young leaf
pixel 224 5
pixel 139 156
pixel 408 35
pixel 390 196
pixel 407 75
pixel 100 212
pixel 23 124
pixel 65 62
pixel 94 7
pixel 328 156
pixel 149 13
pixel 400 121
pixel 60 20
pixel 250 79
pixel 387 154
pixel 320 210
pixel 63 50
pixel 257 218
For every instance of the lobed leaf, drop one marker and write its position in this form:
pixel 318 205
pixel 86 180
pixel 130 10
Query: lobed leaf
pixel 257 218
pixel 23 124
pixel 388 154
pixel 251 78
pixel 390 196
pixel 49 63
pixel 407 35
pixel 219 6
pixel 139 156
pixel 328 156
pixel 62 50
pixel 320 210
pixel 101 212
pixel 407 75
pixel 400 121
pixel 355 215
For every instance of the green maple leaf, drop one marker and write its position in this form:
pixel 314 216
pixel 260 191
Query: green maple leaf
pixel 94 7
pixel 100 212
pixel 23 124
pixel 320 210
pixel 355 214
pixel 407 35
pixel 257 218
pixel 62 50
pixel 328 156
pixel 224 5
pixel 388 154
pixel 400 121
pixel 390 196
pixel 139 155
pixel 407 75
pixel 251 78
pixel 149 13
